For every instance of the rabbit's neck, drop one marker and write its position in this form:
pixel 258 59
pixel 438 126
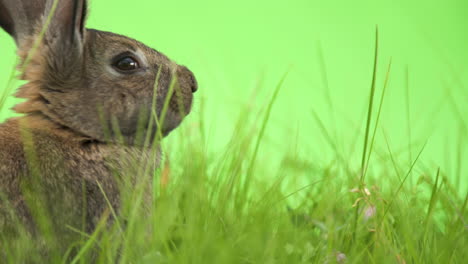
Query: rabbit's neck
pixel 60 151
pixel 119 155
pixel 39 121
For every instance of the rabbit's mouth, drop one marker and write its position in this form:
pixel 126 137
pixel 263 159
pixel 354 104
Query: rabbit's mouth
pixel 169 117
pixel 179 107
pixel 171 122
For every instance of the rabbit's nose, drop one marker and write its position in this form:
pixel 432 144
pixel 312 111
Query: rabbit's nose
pixel 188 77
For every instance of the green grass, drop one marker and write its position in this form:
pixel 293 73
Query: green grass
pixel 232 207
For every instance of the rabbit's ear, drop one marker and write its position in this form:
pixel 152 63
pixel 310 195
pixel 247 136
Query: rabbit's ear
pixel 64 40
pixel 66 27
pixel 20 17
pixel 6 22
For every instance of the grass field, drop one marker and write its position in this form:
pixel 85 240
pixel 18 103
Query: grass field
pixel 362 179
pixel 233 207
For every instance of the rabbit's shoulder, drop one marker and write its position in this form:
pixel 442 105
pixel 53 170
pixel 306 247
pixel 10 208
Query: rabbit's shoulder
pixel 32 142
pixel 11 148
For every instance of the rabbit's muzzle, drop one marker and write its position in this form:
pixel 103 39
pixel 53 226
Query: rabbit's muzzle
pixel 180 101
pixel 185 73
pixel 186 85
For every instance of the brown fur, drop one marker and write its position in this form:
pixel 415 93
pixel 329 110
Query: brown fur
pixel 77 107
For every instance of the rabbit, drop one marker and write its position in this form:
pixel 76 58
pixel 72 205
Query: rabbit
pixel 90 100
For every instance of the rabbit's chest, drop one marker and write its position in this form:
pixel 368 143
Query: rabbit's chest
pixel 67 181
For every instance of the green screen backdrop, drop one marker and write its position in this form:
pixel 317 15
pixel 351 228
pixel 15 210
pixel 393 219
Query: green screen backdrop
pixel 232 46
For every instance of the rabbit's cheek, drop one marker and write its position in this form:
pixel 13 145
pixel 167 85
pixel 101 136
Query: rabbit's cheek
pixel 133 112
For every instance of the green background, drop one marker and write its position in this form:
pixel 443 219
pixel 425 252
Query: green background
pixel 239 50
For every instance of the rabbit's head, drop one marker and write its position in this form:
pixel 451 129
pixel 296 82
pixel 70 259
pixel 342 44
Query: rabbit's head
pixel 99 84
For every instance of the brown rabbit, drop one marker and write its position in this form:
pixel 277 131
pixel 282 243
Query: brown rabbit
pixel 90 102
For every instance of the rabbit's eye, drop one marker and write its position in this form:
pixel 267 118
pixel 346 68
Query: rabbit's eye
pixel 126 64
